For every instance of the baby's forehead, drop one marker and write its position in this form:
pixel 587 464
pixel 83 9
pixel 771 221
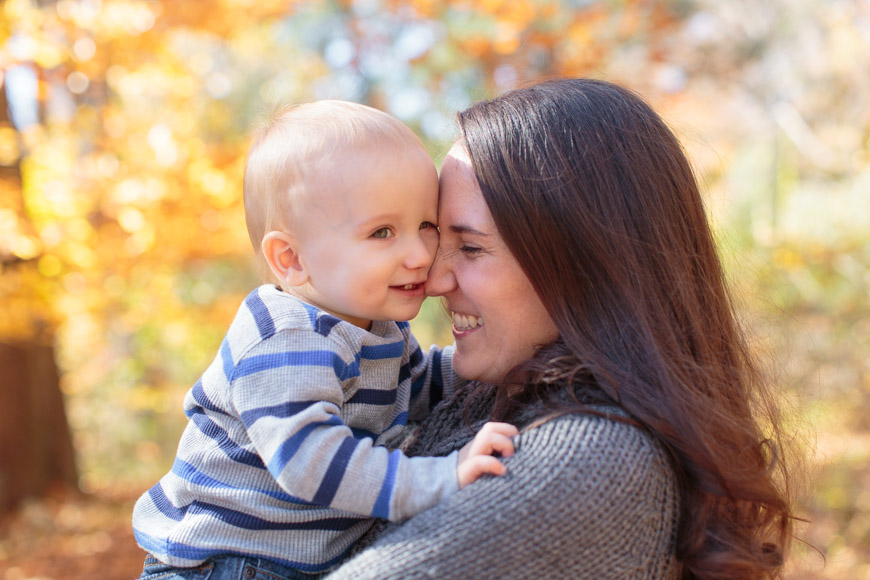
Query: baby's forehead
pixel 361 179
pixel 347 163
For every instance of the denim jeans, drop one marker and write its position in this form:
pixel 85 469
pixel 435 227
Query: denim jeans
pixel 222 568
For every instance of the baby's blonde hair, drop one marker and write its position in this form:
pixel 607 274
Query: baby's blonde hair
pixel 298 144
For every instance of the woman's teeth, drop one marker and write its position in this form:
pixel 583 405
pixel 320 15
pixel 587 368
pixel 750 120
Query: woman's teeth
pixel 409 286
pixel 466 322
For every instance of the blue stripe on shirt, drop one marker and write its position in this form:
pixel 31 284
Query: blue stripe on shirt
pixel 202 400
pixel 250 522
pixel 404 373
pixel 382 504
pixel 190 473
pixel 232 449
pixel 262 318
pixel 321 322
pixel 359 433
pixel 324 324
pixel 382 351
pixel 308 358
pixel 288 448
pixel 373 397
pixel 414 361
pixel 416 357
pixel 162 503
pixel 401 419
pixel 240 519
pixel 311 311
pixel 227 359
pixel 436 387
pixel 281 411
pixel 335 473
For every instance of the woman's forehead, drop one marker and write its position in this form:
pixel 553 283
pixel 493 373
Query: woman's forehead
pixel 457 175
pixel 461 202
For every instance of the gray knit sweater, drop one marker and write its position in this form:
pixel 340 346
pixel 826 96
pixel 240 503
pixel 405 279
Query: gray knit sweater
pixel 584 497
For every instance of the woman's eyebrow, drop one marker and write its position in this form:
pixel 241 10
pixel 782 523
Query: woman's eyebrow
pixel 463 229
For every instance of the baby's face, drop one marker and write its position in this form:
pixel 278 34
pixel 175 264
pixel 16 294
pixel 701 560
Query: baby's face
pixel 368 234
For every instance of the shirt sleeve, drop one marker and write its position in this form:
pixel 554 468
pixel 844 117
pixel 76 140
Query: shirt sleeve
pixel 432 378
pixel 582 498
pixel 287 391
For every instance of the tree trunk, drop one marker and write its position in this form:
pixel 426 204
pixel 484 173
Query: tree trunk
pixel 36 452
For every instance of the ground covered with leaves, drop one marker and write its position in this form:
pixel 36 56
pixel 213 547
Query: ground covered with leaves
pixel 71 537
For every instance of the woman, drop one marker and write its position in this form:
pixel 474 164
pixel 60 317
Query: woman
pixel 589 308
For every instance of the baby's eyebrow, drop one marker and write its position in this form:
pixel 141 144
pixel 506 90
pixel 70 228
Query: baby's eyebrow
pixel 383 217
pixel 377 220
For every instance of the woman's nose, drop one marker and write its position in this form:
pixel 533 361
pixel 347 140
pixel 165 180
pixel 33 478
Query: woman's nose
pixel 441 279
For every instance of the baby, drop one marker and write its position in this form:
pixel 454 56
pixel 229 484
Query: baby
pixel 290 450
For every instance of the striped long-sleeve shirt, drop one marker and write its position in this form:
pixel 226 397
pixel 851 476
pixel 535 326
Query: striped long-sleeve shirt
pixel 290 447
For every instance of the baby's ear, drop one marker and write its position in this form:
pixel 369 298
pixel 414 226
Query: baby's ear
pixel 281 252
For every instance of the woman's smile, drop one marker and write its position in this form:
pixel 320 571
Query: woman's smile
pixel 465 322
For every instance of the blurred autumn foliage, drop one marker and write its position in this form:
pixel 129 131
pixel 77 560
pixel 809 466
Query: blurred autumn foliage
pixel 122 238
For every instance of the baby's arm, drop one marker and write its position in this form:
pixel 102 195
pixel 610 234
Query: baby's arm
pixel 290 399
pixel 432 377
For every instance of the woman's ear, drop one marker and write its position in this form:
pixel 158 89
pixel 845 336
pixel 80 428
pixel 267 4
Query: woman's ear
pixel 281 252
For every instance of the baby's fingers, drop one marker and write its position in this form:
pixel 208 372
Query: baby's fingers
pixel 505 429
pixel 480 455
pixel 494 439
pixel 493 444
pixel 474 467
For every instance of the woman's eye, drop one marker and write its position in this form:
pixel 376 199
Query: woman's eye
pixel 426 225
pixel 472 250
pixel 382 233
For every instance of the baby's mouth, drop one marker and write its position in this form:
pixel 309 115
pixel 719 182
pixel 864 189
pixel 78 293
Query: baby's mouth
pixel 466 321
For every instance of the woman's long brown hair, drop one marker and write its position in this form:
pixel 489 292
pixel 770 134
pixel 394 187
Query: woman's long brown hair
pixel 595 198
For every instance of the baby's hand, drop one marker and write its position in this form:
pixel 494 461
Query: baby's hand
pixel 479 455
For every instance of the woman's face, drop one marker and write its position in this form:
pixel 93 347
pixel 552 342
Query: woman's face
pixel 498 319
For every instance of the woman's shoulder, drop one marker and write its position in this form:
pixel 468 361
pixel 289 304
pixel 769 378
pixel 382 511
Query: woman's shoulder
pixel 596 455
pixel 608 484
pixel 602 436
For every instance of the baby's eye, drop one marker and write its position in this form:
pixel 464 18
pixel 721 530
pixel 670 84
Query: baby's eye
pixel 382 233
pixel 426 225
